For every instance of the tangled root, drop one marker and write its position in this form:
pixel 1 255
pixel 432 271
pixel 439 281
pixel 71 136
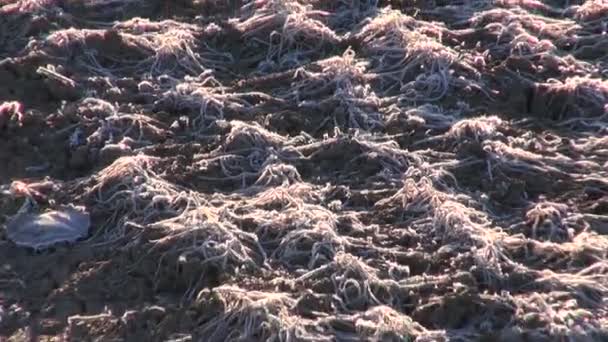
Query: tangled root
pixel 339 83
pixel 417 65
pixel 547 220
pixel 291 31
pixel 314 244
pixel 478 129
pixel 592 10
pixel 128 191
pixel 142 45
pixel 415 197
pixel 575 97
pixel 246 137
pixel 588 285
pixel 247 315
pixel 420 119
pixel 275 175
pixel 377 323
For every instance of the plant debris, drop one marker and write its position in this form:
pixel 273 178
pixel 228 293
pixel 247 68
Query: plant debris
pixel 304 170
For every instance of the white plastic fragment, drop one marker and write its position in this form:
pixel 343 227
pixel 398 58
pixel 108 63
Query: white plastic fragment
pixel 40 231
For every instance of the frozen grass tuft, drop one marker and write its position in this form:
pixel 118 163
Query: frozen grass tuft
pixel 139 45
pixel 478 129
pixel 410 59
pixel 340 84
pixel 290 31
pixel 247 315
pixel 592 10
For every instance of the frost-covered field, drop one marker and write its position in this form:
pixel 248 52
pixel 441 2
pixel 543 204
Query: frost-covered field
pixel 306 170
